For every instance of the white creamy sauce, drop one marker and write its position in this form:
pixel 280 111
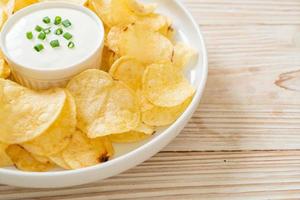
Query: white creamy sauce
pixel 85 31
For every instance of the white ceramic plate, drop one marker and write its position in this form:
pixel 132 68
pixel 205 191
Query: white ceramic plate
pixel 130 155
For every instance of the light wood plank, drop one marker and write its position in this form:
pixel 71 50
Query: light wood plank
pixel 207 175
pixel 252 97
pixel 237 12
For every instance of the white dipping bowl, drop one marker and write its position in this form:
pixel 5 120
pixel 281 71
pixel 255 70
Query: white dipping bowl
pixel 130 155
pixel 52 67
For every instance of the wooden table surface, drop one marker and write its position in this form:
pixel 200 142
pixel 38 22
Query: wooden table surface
pixel 244 140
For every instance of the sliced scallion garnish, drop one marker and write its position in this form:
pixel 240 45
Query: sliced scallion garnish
pixel 29 35
pixel 54 43
pixel 68 36
pixel 71 45
pixel 59 31
pixel 38 28
pixel 66 23
pixel 46 20
pixel 57 20
pixel 42 36
pixel 47 30
pixel 38 47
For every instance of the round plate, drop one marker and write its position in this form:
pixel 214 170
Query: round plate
pixel 130 155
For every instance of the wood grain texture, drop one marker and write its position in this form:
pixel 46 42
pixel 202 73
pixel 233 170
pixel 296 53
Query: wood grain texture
pixel 194 175
pixel 243 142
pixel 237 12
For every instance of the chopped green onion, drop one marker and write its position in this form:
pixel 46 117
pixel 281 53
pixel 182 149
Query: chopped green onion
pixel 38 47
pixel 54 43
pixel 71 45
pixel 59 31
pixel 68 36
pixel 46 20
pixel 29 35
pixel 47 30
pixel 38 28
pixel 42 36
pixel 66 23
pixel 57 20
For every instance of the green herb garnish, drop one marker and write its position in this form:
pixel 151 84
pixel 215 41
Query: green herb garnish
pixel 57 20
pixel 66 23
pixel 71 45
pixel 38 28
pixel 59 31
pixel 68 36
pixel 47 30
pixel 54 43
pixel 38 47
pixel 46 20
pixel 29 35
pixel 42 36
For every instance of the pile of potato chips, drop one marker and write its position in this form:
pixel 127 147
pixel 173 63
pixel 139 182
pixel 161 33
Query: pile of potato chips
pixel 139 87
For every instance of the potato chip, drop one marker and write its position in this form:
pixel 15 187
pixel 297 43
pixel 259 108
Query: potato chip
pixel 78 2
pixel 163 116
pixel 142 132
pixel 26 114
pixel 120 12
pixel 129 71
pixel 104 106
pixel 59 160
pixel 4 69
pixel 6 9
pixel 19 4
pixel 108 58
pixel 102 9
pixel 121 113
pixel 166 86
pixel 4 158
pixel 23 160
pixel 84 152
pixel 41 159
pixel 183 54
pixel 90 90
pixel 139 8
pixel 59 134
pixel 138 42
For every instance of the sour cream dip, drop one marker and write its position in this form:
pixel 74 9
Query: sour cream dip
pixel 52 65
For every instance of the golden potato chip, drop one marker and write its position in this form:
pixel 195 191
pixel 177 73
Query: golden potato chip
pixel 129 71
pixel 78 2
pixel 166 86
pixel 142 132
pixel 183 54
pixel 121 113
pixel 163 116
pixel 4 69
pixel 120 12
pixel 59 160
pixel 6 9
pixel 102 9
pixel 138 42
pixel 4 158
pixel 19 4
pixel 90 90
pixel 103 106
pixel 59 134
pixel 108 58
pixel 26 114
pixel 139 8
pixel 23 160
pixel 84 152
pixel 41 159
